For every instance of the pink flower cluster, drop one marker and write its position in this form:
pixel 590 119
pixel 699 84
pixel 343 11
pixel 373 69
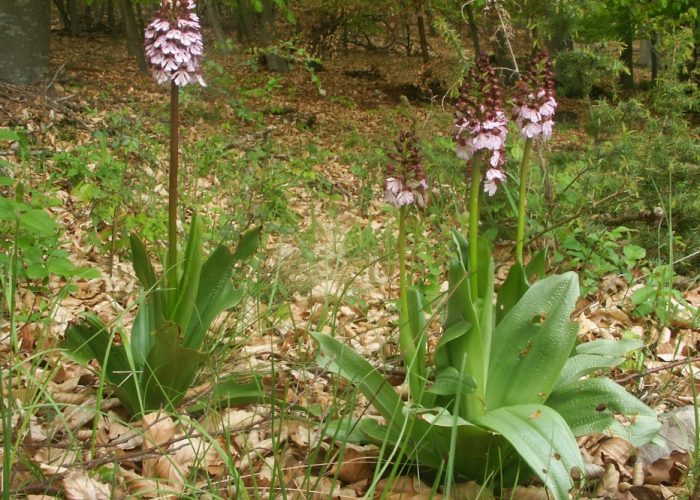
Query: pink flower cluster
pixel 535 105
pixel 173 43
pixel 480 122
pixel 405 177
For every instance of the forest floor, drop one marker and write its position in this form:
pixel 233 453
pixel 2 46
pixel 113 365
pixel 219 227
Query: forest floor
pixel 301 159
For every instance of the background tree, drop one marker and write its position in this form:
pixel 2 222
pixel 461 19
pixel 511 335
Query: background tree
pixel 24 40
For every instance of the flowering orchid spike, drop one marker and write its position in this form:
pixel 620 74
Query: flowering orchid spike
pixel 536 104
pixel 480 123
pixel 173 44
pixel 405 178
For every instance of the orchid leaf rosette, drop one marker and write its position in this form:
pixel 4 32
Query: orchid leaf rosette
pixel 508 389
pixel 154 366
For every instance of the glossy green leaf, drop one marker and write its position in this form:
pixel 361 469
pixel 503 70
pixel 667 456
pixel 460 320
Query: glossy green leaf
pixel 216 292
pixel 542 439
pixel 511 291
pixel 169 369
pixel 590 406
pixel 596 355
pixel 450 382
pixel 342 360
pixel 90 339
pixel 535 269
pixel 189 281
pixel 532 343
pixel 150 313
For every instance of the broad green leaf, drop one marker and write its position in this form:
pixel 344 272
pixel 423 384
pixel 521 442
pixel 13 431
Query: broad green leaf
pixel 233 392
pixel 248 244
pixel 60 267
pixel 216 293
pixel 142 263
pixel 532 343
pixel 342 360
pixel 511 291
pixel 450 382
pixel 407 441
pixel 542 439
pixel 169 369
pixel 38 223
pixel 535 268
pixel 189 281
pixel 590 406
pixel 345 430
pixel 596 355
pixel 90 339
pixel 150 314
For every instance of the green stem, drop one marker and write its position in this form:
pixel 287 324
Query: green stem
pixel 403 286
pixel 171 271
pixel 475 191
pixel 522 201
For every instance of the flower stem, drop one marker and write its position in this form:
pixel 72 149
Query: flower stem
pixel 403 282
pixel 171 270
pixel 522 200
pixel 475 190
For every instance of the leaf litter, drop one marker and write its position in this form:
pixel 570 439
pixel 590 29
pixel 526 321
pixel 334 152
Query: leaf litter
pixel 84 453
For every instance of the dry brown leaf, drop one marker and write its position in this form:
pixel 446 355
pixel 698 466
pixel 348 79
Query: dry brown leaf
pixel 528 493
pixel 158 430
pixel 77 485
pixel 355 466
pixel 609 485
pixel 668 470
pixel 472 491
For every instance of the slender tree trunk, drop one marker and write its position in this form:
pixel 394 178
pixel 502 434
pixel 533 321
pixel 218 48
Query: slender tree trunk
pixel 213 16
pixel 420 18
pixel 133 34
pixel 473 30
pixel 627 79
pixel 62 13
pixel 74 18
pixel 654 59
pixel 24 40
pixel 242 30
pixel 111 24
pixel 407 27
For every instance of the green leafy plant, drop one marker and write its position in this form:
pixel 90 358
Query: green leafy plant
pixel 508 390
pixel 506 395
pixel 154 366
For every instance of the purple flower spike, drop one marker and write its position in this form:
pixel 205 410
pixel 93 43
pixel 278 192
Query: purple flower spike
pixel 405 179
pixel 536 104
pixel 480 122
pixel 173 43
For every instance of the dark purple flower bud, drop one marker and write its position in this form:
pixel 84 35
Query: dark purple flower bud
pixel 405 180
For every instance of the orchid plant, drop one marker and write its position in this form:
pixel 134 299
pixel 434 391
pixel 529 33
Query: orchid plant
pixel 509 389
pixel 154 366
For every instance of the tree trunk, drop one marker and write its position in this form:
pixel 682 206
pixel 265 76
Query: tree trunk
pixel 473 30
pixel 242 31
pixel 215 22
pixel 627 79
pixel 24 40
pixel 133 34
pixel 111 24
pixel 420 18
pixel 654 59
pixel 63 14
pixel 74 17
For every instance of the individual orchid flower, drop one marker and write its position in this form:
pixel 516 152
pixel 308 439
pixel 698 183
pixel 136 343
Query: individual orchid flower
pixel 173 44
pixel 480 123
pixel 405 178
pixel 535 104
